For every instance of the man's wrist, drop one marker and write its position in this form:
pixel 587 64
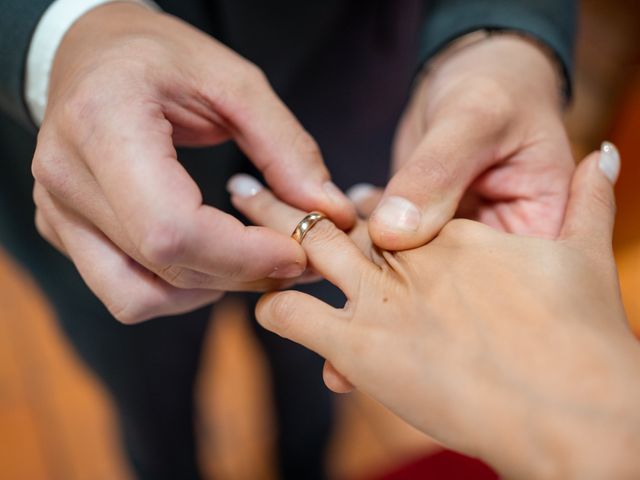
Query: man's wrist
pixel 51 29
pixel 479 36
pixel 518 68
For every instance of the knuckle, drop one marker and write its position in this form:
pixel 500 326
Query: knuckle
pixel 233 268
pixel 136 55
pixel 488 100
pixel 250 80
pixel 131 312
pixel 38 195
pixel 279 314
pixel 426 170
pixel 235 92
pixel 604 199
pixel 460 230
pixel 304 143
pixel 45 169
pixel 184 278
pixel 38 168
pixel 322 233
pixel 239 270
pixel 173 275
pixel 41 225
pixel 162 243
pixel 79 107
pixel 128 316
pixel 254 74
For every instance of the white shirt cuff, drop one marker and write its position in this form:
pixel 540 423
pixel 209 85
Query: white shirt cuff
pixel 46 39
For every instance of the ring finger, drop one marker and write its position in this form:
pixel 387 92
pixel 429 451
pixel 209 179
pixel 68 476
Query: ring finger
pixel 330 251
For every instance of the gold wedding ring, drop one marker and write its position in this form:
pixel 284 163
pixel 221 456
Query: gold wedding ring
pixel 306 224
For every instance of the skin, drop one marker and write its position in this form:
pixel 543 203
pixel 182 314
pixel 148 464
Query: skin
pixel 128 85
pixel 510 348
pixel 482 136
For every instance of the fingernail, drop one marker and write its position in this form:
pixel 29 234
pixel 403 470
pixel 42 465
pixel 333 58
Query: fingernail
pixel 288 271
pixel 609 161
pixel 398 213
pixel 333 192
pixel 243 185
pixel 360 192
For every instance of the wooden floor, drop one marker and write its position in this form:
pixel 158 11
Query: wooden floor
pixel 56 421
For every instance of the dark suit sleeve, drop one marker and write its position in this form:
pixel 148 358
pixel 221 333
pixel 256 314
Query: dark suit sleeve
pixel 18 20
pixel 552 22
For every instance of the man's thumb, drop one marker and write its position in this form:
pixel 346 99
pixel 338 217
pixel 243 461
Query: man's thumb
pixel 592 207
pixel 424 194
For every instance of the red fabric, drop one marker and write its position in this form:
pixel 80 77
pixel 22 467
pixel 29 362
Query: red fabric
pixel 443 465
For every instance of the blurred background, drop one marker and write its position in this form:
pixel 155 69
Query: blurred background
pixel 56 421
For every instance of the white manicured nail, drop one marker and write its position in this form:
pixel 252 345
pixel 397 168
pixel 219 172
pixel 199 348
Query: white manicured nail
pixel 243 185
pixel 360 192
pixel 398 214
pixel 609 161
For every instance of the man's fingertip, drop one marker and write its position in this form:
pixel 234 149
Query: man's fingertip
pixel 397 215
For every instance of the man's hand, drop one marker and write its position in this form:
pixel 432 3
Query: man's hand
pixel 482 138
pixel 127 85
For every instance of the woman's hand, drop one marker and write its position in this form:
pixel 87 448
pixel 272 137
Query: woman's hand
pixel 482 137
pixel 513 349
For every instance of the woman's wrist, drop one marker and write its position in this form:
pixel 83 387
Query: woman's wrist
pixel 588 427
pixel 598 437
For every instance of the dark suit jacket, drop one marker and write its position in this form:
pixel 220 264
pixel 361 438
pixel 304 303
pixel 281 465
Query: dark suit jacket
pixel 281 35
